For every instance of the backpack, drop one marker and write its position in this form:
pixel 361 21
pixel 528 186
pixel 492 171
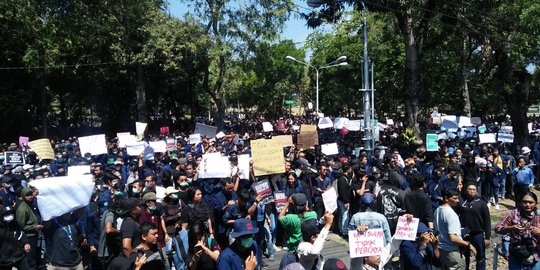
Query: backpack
pixel 288 258
pixel 179 252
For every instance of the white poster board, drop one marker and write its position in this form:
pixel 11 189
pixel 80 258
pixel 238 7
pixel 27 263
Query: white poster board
pixel 487 138
pixel 135 149
pixel 139 129
pixel 406 228
pixel 78 170
pixel 330 149
pixel 158 146
pixel 366 243
pixel 243 166
pixel 61 195
pixel 195 138
pixel 352 125
pixel 125 139
pixel 330 200
pixel 214 166
pixel 267 127
pixel 205 130
pixel 340 122
pixel 95 144
pixel 325 122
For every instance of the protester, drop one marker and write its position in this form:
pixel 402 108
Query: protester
pixel 292 221
pixel 422 254
pixel 241 254
pixel 310 249
pixel 28 220
pixel 13 243
pixel 149 248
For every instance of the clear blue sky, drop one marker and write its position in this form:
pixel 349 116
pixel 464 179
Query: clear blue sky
pixel 295 28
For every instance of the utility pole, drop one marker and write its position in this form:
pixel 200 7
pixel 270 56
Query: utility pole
pixel 367 92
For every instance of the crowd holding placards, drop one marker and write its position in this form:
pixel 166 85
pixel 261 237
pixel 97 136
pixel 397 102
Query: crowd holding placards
pixel 232 198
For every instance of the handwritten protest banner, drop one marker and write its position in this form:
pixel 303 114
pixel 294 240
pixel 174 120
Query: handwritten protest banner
pixel 205 130
pixel 23 141
pixel 42 148
pixel 194 138
pixel 263 189
pixel 214 166
pixel 13 158
pixel 308 136
pixel 243 166
pixel 140 128
pixel 95 144
pixel 330 149
pixel 61 195
pixel 367 243
pixel 280 199
pixel 171 144
pixel 267 156
pixel 330 200
pixel 286 140
pixel 267 127
pixel 406 228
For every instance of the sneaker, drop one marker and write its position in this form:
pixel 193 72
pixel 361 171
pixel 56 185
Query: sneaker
pixel 271 258
pixel 264 264
pixel 489 205
pixel 285 248
pixel 276 248
pixel 497 207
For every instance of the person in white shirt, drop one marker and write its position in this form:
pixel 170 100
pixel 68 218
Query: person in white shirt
pixel 309 250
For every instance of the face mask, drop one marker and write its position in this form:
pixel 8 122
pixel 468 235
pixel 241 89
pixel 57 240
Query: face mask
pixel 9 218
pixel 152 208
pixel 118 193
pixel 135 191
pixel 246 242
pixel 174 196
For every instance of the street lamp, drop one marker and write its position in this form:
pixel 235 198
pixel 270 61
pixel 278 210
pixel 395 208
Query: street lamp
pixel 341 61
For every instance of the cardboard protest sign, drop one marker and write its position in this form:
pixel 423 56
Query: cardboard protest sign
pixel 308 136
pixel 505 137
pixel 267 127
pixel 325 122
pixel 95 145
pixel 243 166
pixel 330 200
pixel 205 130
pixel 164 130
pixel 330 149
pixel 367 243
pixel 135 149
pixel 13 158
pixel 353 125
pixel 23 141
pixel 140 128
pixel 406 228
pixel 487 138
pixel 214 166
pixel 125 139
pixel 42 148
pixel 286 140
pixel 431 143
pixel 195 138
pixel 340 122
pixel 267 156
pixel 171 144
pixel 61 195
pixel 158 146
pixel 280 199
pixel 78 170
pixel 263 189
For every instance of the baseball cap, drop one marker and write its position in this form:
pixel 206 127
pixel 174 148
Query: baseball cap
pixel 334 264
pixel 171 190
pixel 422 228
pixel 150 196
pixel 299 199
pixel 132 203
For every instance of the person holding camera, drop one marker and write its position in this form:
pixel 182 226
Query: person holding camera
pixel 421 254
pixel 523 226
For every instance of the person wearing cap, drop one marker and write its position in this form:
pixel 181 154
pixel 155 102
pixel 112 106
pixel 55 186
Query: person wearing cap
pixel 13 243
pixel 29 223
pixel 152 212
pixel 172 212
pixel 129 230
pixel 421 254
pixel 7 191
pixel 297 205
pixel 310 249
pixel 336 264
pixel 241 254
pixel 524 178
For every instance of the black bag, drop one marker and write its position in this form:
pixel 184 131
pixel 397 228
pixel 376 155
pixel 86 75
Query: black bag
pixel 522 250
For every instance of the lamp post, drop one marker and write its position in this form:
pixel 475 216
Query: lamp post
pixel 341 61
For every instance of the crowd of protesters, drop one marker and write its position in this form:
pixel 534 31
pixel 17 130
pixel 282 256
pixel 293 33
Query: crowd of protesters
pixel 158 214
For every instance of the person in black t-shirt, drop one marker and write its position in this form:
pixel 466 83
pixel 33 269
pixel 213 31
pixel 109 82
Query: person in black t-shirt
pixel 129 231
pixel 148 247
pixel 62 238
pixel 204 251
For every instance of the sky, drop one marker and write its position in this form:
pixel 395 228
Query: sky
pixel 295 28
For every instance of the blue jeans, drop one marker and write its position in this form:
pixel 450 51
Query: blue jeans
pixel 514 264
pixel 343 218
pixel 478 243
pixel 269 238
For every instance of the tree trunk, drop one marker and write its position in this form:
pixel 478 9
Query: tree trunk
pixel 518 103
pixel 142 111
pixel 464 61
pixel 412 78
pixel 44 111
